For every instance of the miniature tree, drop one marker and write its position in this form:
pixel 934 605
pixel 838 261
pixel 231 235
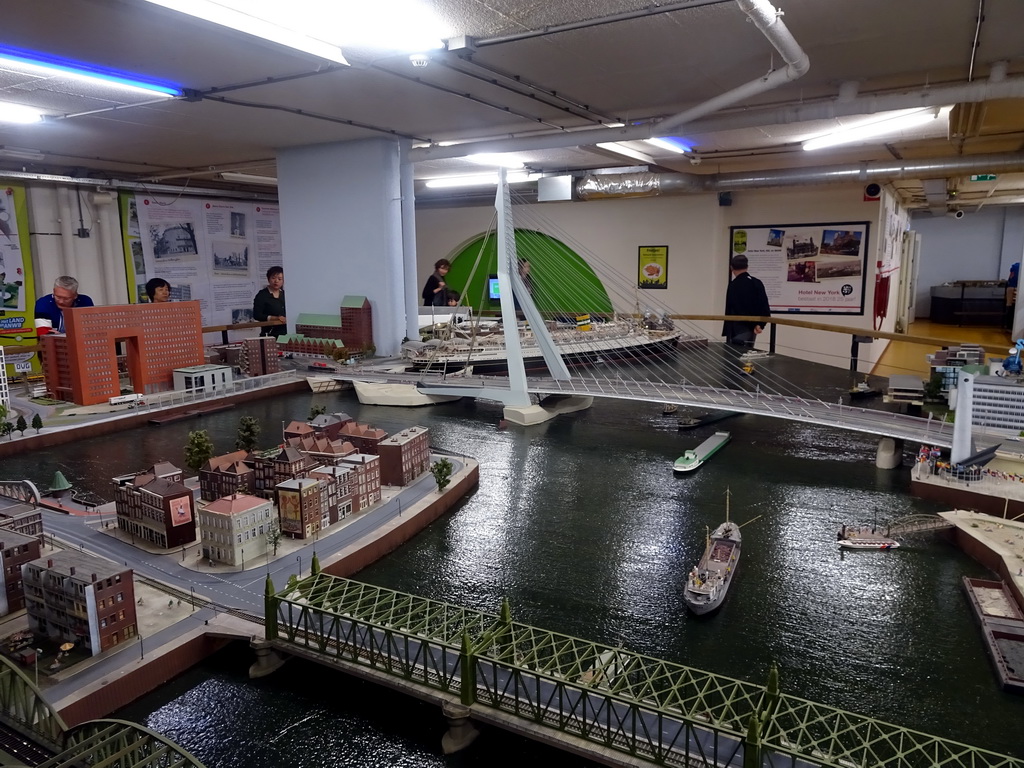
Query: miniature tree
pixel 248 433
pixel 198 450
pixel 317 410
pixel 442 472
pixel 21 425
pixel 933 388
pixel 274 535
pixel 37 423
pixel 6 429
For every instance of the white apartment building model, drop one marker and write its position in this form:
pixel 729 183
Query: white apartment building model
pixel 992 403
pixel 5 392
pixel 234 528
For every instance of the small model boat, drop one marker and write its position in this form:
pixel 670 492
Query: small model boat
pixel 692 422
pixel 708 582
pixel 863 391
pixel 690 460
pixel 864 537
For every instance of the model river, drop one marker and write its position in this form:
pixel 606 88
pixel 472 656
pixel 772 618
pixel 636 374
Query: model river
pixel 582 525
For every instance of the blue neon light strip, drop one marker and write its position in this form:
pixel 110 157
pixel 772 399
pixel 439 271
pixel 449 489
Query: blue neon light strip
pixel 85 70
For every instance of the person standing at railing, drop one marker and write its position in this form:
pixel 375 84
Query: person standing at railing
pixel 745 296
pixel 268 304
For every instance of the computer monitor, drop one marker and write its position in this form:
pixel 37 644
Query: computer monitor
pixel 493 291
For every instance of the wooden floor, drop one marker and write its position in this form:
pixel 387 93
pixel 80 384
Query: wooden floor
pixel 903 357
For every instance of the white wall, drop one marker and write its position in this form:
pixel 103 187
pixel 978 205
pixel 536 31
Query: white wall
pixel 341 232
pixel 980 246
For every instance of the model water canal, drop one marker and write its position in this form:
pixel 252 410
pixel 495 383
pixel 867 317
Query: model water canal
pixel 582 525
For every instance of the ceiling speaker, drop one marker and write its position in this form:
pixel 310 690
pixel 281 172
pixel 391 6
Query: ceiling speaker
pixel 872 192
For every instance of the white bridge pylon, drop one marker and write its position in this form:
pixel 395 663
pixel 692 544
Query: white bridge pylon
pixel 519 407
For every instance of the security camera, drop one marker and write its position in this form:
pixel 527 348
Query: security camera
pixel 957 214
pixel 694 159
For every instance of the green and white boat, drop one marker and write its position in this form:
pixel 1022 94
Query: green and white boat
pixel 690 460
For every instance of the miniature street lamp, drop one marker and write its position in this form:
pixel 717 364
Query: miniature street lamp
pixel 142 649
pixel 299 560
pixel 39 652
pixel 193 591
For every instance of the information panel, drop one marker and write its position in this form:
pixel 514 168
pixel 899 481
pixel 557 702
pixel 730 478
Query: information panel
pixel 807 268
pixel 216 252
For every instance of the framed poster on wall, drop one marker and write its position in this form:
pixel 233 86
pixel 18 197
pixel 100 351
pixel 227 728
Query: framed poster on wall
pixel 652 266
pixel 807 268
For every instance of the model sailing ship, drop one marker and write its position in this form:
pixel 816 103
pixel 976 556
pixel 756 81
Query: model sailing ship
pixel 708 582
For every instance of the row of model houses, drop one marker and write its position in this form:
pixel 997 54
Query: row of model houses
pixel 326 470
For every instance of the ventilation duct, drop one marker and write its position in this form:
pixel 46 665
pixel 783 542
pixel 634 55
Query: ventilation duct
pixel 596 187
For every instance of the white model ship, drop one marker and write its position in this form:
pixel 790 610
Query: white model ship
pixel 482 345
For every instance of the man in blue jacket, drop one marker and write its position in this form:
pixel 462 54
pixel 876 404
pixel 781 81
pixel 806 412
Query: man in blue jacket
pixel 50 308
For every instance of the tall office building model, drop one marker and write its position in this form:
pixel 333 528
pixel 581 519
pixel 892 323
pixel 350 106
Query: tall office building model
pixel 81 366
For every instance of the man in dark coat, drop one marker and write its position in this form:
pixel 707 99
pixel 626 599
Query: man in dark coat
pixel 745 296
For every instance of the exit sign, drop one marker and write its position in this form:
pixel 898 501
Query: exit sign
pixel 983 177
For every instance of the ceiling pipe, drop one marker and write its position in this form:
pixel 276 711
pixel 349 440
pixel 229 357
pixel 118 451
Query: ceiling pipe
pixel 768 20
pixel 601 186
pixel 765 17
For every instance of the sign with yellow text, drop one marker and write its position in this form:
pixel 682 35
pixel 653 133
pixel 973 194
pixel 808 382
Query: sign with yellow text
pixel 653 266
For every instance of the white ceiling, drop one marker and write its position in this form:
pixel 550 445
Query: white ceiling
pixel 551 72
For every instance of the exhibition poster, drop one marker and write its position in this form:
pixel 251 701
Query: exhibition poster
pixel 17 289
pixel 807 268
pixel 652 266
pixel 216 252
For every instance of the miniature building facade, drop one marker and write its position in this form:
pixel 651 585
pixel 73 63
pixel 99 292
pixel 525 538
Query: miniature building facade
pixel 357 323
pixel 156 509
pixel 80 598
pixel 203 378
pixel 15 550
pixel 993 402
pixel 367 469
pixel 319 326
pixel 259 356
pixel 226 475
pixel 404 456
pixel 234 529
pixel 299 506
pixel 5 393
pixel 365 438
pixel 81 366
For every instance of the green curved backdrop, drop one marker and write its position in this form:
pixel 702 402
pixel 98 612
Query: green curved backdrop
pixel 562 281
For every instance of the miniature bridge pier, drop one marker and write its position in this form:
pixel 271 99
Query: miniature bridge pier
pixel 604 702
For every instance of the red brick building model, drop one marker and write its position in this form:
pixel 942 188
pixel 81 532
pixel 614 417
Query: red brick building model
pixel 81 367
pixel 78 597
pixel 155 507
pixel 404 456
pixel 357 323
pixel 319 326
pixel 226 475
pixel 16 549
pixel 259 356
pixel 365 438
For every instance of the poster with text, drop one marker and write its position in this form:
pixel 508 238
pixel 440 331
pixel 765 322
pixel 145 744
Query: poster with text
pixel 652 266
pixel 216 252
pixel 17 288
pixel 807 268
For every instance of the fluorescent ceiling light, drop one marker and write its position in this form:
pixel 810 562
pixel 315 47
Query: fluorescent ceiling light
pixel 875 129
pixel 249 178
pixel 20 153
pixel 250 23
pixel 501 160
pixel 672 145
pixel 322 28
pixel 52 66
pixel 480 180
pixel 16 113
pixel 614 125
pixel 622 149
